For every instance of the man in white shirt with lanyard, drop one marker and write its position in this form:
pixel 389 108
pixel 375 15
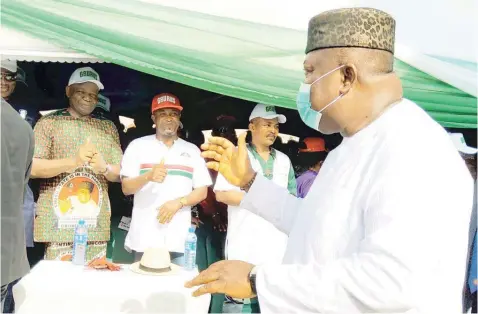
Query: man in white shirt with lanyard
pixel 250 237
pixel 167 176
pixel 384 228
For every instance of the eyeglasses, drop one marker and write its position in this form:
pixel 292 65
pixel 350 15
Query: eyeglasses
pixel 9 77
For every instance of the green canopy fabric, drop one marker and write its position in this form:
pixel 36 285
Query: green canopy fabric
pixel 240 59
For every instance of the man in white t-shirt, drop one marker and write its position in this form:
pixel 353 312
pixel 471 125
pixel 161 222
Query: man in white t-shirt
pixel 250 237
pixel 167 176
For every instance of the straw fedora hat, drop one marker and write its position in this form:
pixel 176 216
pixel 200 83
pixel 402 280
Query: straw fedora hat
pixel 155 262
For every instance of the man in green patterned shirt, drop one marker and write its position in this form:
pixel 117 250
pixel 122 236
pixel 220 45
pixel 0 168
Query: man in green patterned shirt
pixel 76 154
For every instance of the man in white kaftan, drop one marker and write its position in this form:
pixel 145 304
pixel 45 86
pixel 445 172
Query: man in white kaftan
pixel 384 227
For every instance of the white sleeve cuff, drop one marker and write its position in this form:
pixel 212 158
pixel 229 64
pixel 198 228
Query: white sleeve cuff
pixel 256 198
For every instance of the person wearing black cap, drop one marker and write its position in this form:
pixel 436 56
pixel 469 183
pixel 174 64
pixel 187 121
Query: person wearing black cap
pixel 384 228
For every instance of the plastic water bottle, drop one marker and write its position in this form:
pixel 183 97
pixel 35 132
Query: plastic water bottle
pixel 79 243
pixel 190 250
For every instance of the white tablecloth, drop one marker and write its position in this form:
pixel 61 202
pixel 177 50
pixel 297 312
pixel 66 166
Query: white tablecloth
pixel 61 287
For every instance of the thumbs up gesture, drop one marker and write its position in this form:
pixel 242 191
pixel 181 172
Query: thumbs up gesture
pixel 158 173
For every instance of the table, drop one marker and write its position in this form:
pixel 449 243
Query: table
pixel 61 287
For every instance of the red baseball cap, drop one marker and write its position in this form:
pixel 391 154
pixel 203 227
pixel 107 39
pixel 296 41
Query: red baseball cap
pixel 314 145
pixel 165 100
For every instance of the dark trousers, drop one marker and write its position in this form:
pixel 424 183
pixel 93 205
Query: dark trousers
pixel 8 301
pixel 473 303
pixel 210 249
pixel 4 294
pixel 34 254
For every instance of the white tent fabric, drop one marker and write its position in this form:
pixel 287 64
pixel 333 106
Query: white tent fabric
pixel 444 28
pixel 459 77
pixel 19 46
pixel 446 34
pixel 253 49
pixel 438 38
pixel 410 15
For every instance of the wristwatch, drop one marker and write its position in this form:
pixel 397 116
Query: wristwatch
pixel 183 201
pixel 252 280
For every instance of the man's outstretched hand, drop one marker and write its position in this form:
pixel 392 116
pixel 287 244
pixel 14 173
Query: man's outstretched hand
pixel 228 277
pixel 232 162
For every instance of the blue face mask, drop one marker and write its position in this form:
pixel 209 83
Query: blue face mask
pixel 308 115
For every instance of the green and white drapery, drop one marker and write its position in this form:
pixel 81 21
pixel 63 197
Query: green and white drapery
pixel 237 58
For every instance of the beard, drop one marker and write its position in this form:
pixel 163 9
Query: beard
pixel 168 129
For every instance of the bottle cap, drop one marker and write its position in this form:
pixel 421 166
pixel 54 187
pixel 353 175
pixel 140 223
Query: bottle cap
pixel 192 229
pixel 81 222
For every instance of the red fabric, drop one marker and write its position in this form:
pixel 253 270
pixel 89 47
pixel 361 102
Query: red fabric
pixel 313 144
pixel 165 100
pixel 210 206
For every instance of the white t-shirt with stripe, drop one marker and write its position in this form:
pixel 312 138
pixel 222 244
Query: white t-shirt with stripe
pixel 186 171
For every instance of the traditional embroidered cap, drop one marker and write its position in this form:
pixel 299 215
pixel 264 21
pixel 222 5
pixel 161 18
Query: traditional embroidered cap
pixel 165 100
pixel 266 112
pixel 103 103
pixel 86 74
pixel 351 27
pixel 459 141
pixel 313 145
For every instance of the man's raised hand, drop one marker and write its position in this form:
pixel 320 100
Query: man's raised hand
pixel 232 162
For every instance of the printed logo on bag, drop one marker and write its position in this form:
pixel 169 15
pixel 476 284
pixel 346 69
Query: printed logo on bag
pixel 90 74
pixel 78 196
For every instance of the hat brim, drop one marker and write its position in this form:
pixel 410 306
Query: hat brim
pixel 311 150
pixel 96 82
pixel 280 117
pixel 167 107
pixel 468 150
pixel 10 68
pixel 174 270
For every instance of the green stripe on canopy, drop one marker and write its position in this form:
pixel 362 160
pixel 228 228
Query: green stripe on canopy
pixel 236 58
